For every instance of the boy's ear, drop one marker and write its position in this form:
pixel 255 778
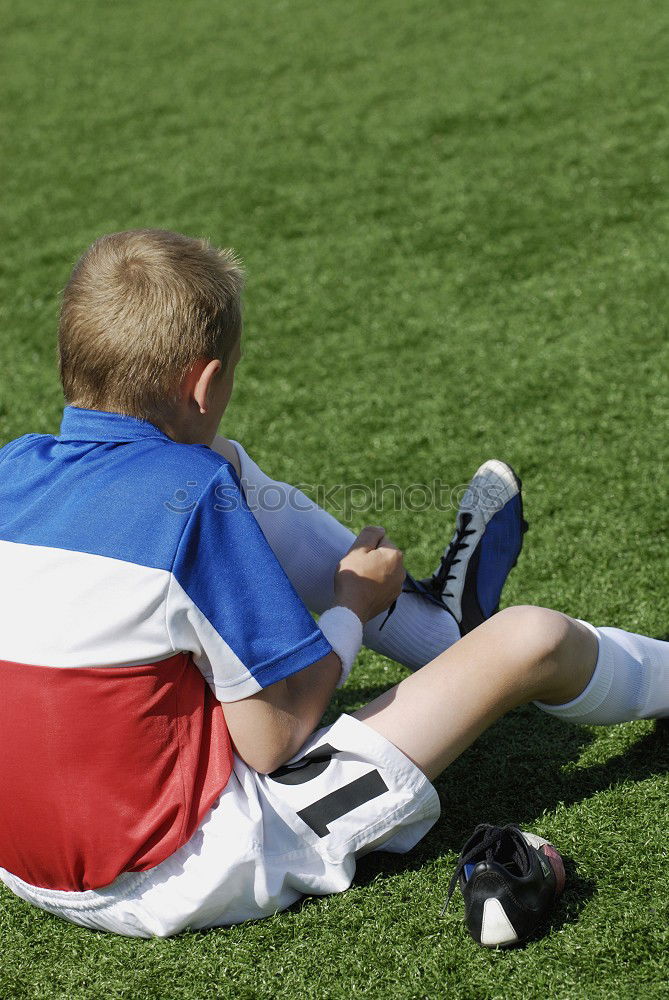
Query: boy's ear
pixel 196 383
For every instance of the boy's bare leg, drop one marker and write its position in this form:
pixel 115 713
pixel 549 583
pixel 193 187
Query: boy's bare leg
pixel 522 654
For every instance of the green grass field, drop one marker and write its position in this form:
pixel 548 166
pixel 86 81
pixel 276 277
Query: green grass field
pixel 455 222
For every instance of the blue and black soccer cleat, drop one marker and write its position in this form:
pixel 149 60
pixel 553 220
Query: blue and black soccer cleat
pixel 510 881
pixel 488 537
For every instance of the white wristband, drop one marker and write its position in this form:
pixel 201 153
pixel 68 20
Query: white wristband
pixel 343 630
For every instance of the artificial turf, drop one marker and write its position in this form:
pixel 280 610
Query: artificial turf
pixel 454 219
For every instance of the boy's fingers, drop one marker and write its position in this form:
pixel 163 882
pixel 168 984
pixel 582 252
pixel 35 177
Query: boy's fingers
pixel 369 538
pixel 385 543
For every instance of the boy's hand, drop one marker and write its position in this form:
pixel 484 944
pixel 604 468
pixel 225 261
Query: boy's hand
pixel 370 576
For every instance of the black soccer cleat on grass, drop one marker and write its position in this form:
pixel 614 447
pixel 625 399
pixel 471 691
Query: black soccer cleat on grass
pixel 510 881
pixel 488 537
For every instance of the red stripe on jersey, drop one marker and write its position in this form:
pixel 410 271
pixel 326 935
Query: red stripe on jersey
pixel 105 770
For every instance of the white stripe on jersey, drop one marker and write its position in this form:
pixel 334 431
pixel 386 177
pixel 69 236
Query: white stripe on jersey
pixel 96 611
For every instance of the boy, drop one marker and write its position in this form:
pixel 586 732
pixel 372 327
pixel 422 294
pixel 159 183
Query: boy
pixel 162 676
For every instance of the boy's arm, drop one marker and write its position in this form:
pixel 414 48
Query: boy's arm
pixel 269 727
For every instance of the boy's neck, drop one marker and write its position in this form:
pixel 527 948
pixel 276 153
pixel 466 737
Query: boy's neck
pixel 188 434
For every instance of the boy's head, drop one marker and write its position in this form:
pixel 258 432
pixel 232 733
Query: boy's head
pixel 140 310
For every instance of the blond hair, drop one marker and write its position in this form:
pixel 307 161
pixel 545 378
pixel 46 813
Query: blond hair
pixel 140 307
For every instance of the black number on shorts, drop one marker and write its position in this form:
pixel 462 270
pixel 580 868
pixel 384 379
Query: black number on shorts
pixel 306 768
pixel 335 804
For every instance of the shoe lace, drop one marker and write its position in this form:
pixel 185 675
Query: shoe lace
pixel 450 558
pixel 491 843
pixel 435 586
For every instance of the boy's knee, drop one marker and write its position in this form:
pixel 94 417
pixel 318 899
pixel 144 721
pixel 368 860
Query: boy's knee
pixel 545 634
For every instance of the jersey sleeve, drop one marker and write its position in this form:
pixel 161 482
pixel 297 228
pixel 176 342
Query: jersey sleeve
pixel 231 604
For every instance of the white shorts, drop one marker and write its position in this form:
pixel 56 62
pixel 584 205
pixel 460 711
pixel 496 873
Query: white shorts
pixel 267 840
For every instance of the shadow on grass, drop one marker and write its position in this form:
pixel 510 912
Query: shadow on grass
pixel 520 768
pixel 577 892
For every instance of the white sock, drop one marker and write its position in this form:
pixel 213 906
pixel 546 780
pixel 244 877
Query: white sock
pixel 415 633
pixel 630 681
pixel 309 542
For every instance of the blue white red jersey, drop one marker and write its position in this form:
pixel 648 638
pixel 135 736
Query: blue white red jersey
pixel 137 593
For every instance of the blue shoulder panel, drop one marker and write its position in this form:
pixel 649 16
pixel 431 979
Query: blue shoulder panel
pixel 120 499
